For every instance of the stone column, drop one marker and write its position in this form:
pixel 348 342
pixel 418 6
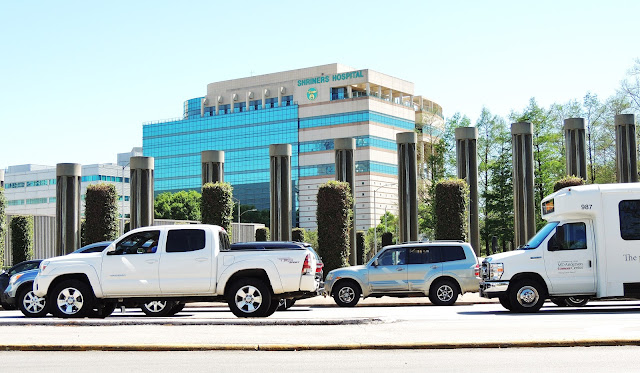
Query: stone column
pixel 407 186
pixel 367 89
pixel 141 169
pixel 1 178
pixel 523 196
pixel 349 92
pixel 346 171
pixel 575 145
pixel 264 97
pixel 68 183
pixel 626 150
pixel 212 166
pixel 467 159
pixel 280 189
pixel 280 96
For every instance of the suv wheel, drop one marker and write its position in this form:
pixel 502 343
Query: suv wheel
pixel 250 297
pixel 444 293
pixel 71 298
pixel 31 305
pixel 347 294
pixel 158 308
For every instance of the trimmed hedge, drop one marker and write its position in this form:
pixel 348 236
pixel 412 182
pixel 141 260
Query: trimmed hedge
pixel 450 205
pixel 216 206
pixel 567 181
pixel 101 213
pixel 297 234
pixel 362 258
pixel 387 239
pixel 334 215
pixel 262 234
pixel 21 238
pixel 3 226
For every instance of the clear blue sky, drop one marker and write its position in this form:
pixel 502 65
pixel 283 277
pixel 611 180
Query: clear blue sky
pixel 78 78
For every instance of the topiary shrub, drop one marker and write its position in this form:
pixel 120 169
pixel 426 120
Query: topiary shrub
pixel 362 258
pixel 21 238
pixel 101 213
pixel 3 226
pixel 387 239
pixel 297 234
pixel 262 234
pixel 567 181
pixel 334 214
pixel 450 201
pixel 216 206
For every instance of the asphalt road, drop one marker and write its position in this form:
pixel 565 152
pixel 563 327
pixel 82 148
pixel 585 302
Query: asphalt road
pixel 305 327
pixel 575 359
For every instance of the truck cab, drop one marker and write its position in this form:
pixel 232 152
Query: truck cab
pixel 586 250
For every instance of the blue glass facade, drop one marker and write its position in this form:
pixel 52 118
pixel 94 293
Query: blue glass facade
pixel 244 137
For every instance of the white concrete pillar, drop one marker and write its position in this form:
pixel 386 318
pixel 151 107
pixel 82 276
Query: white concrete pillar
pixel 367 89
pixel 349 92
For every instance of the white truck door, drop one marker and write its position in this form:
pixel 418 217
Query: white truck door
pixel 569 259
pixel 391 272
pixel 132 269
pixel 186 264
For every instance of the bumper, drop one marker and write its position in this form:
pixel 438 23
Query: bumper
pixel 493 289
pixel 8 296
pixel 41 284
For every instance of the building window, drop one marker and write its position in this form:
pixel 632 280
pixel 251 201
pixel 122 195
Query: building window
pixel 338 93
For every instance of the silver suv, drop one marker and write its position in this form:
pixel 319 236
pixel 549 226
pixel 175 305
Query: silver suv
pixel 440 270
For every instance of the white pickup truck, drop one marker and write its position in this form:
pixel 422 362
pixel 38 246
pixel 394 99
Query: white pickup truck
pixel 176 263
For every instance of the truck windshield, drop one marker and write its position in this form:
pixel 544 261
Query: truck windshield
pixel 536 240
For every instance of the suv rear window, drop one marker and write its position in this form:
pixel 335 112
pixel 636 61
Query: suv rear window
pixel 451 253
pixel 183 240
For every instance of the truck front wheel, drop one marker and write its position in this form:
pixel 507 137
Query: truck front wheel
pixel 71 298
pixel 526 296
pixel 250 297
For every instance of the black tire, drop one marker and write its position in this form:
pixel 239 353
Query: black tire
pixel 275 304
pixel 575 301
pixel 30 304
pixel 71 298
pixel 527 296
pixel 104 310
pixel 7 307
pixel 504 302
pixel 444 292
pixel 285 304
pixel 179 306
pixel 158 308
pixel 347 294
pixel 249 297
pixel 560 302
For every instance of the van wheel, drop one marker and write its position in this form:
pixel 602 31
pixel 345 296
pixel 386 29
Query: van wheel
pixel 443 293
pixel 31 305
pixel 347 294
pixel 570 301
pixel 157 308
pixel 249 297
pixel 71 298
pixel 526 296
pixel 504 301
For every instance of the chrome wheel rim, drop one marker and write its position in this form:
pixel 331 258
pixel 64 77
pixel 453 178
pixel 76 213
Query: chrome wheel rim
pixel 248 299
pixel 70 301
pixel 576 301
pixel 156 305
pixel 346 294
pixel 33 303
pixel 528 296
pixel 445 293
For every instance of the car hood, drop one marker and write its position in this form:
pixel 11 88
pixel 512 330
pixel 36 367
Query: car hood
pixel 28 275
pixel 502 256
pixel 348 270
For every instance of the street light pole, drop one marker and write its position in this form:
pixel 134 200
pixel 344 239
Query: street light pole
pixel 122 194
pixel 375 223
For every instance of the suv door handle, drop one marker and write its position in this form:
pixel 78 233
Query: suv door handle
pixel 434 267
pixel 399 269
pixel 201 259
pixel 151 261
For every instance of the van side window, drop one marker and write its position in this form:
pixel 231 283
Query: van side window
pixel 629 212
pixel 184 240
pixel 452 253
pixel 575 237
pixel 138 243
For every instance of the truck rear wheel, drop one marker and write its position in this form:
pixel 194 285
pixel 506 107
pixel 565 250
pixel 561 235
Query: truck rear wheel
pixel 249 297
pixel 526 296
pixel 71 298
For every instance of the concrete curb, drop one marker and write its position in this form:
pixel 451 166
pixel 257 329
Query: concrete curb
pixel 339 346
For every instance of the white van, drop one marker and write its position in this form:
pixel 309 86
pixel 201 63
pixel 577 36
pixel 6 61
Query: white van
pixel 590 248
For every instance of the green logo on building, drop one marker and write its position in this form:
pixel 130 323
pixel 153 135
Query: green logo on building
pixel 312 93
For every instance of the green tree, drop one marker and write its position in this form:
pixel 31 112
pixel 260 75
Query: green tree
pixel 334 214
pixel 217 204
pixel 451 202
pixel 298 234
pixel 101 213
pixel 21 238
pixel 182 205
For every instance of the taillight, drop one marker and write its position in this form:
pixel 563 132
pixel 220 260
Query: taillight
pixel 306 267
pixel 477 268
pixel 319 267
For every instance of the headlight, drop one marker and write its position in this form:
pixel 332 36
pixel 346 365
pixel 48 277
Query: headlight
pixel 15 278
pixel 495 271
pixel 43 265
